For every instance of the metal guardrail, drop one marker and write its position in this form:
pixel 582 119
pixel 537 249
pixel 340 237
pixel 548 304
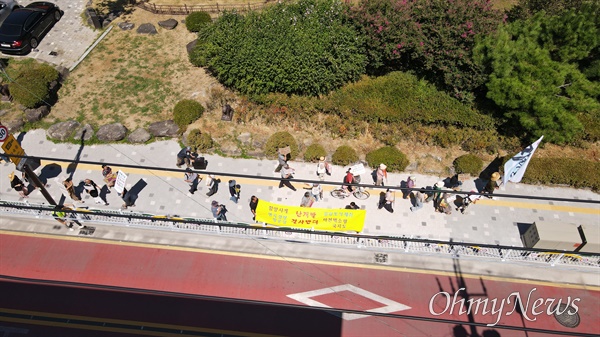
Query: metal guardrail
pixel 379 244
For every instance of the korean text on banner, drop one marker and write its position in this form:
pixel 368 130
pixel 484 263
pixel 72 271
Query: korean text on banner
pixel 514 169
pixel 323 219
pixel 120 182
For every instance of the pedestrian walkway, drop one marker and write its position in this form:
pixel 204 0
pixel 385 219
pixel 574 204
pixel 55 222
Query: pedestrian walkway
pixel 166 192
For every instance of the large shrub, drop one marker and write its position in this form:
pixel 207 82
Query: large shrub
pixel 31 81
pixel 186 112
pixel 200 141
pixel 196 20
pixel 314 152
pixel 468 163
pixel 434 38
pixel 395 160
pixel 305 47
pixel 279 140
pixel 579 173
pixel 344 155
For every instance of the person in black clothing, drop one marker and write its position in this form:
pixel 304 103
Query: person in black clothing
pixel 184 156
pixel 253 205
pixel 352 205
pixel 234 191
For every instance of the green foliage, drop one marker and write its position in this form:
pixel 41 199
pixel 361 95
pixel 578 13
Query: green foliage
pixel 344 155
pixel 395 160
pixel 579 173
pixel 527 8
pixel 306 47
pixel 31 81
pixel 468 163
pixel 279 140
pixel 186 112
pixel 314 152
pixel 434 38
pixel 199 141
pixel 400 97
pixel 539 94
pixel 195 21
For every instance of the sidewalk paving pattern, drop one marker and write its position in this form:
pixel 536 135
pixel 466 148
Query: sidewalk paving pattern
pixel 165 192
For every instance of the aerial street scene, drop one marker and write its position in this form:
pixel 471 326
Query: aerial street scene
pixel 300 168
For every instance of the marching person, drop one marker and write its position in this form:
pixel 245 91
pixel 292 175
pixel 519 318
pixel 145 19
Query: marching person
pixel 68 183
pixel 191 178
pixel 307 200
pixel 17 185
pixel 213 184
pixel 253 205
pixel 381 175
pixel 218 210
pixel 287 174
pixel 321 168
pixel 281 160
pixel 109 177
pixel 317 191
pixel 184 156
pixel 92 189
pixel 234 191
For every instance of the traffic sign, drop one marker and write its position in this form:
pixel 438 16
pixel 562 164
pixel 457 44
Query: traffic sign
pixel 3 133
pixel 12 147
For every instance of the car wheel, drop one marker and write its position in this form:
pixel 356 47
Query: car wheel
pixel 33 43
pixel 56 15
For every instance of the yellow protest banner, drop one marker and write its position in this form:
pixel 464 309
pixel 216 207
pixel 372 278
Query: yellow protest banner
pixel 323 219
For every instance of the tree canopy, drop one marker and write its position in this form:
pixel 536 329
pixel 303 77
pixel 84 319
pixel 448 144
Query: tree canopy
pixel 307 48
pixel 535 76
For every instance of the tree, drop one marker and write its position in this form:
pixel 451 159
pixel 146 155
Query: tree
pixel 433 38
pixel 306 48
pixel 540 93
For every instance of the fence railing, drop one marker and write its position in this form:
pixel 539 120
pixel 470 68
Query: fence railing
pixel 377 244
pixel 187 9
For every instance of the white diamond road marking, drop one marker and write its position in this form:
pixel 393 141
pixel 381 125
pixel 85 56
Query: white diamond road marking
pixel 390 305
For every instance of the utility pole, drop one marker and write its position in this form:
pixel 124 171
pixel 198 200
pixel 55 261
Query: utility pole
pixel 37 183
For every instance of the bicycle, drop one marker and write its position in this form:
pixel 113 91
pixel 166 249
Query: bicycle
pixel 341 193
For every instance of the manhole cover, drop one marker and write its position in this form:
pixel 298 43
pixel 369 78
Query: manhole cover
pixel 87 231
pixel 566 315
pixel 381 258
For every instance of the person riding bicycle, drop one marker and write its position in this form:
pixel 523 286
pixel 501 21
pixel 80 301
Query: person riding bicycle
pixel 349 180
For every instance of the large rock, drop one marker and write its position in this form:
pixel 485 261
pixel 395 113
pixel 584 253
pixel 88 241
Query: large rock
pixel 89 133
pixel 146 28
pixel 111 132
pixel 245 138
pixel 168 24
pixel 231 150
pixel 190 46
pixel 63 130
pixel 126 25
pixel 63 73
pixel 164 129
pixel 14 125
pixel 34 115
pixel 140 135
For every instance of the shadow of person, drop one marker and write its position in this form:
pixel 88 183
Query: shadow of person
pixel 50 171
pixel 492 167
pixel 491 333
pixel 73 165
pixel 459 331
pixel 403 188
pixel 381 200
pixel 374 176
pixel 480 184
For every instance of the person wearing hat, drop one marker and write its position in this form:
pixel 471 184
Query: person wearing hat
pixel 321 168
pixel 183 157
pixel 218 210
pixel 410 184
pixel 492 184
pixel 381 175
pixel 307 200
pixel 17 185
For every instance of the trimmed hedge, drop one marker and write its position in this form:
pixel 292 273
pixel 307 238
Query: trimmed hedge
pixel 395 160
pixel 468 163
pixel 199 141
pixel 196 20
pixel 314 152
pixel 344 155
pixel 578 173
pixel 186 112
pixel 32 80
pixel 279 140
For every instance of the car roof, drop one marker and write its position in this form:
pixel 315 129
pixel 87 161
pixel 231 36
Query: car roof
pixel 18 16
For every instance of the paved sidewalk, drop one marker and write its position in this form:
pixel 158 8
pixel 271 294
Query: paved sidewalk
pixel 165 192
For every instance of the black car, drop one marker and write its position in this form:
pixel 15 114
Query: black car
pixel 25 27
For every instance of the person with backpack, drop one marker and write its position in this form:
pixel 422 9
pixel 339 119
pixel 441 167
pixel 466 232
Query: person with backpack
pixel 17 185
pixel 109 177
pixel 191 178
pixel 234 191
pixel 218 211
pixel 213 185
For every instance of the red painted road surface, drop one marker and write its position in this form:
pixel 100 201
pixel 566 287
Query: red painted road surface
pixel 292 281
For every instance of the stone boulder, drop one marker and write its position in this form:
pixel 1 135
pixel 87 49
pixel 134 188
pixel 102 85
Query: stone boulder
pixel 89 133
pixel 164 129
pixel 126 25
pixel 140 135
pixel 168 24
pixel 147 28
pixel 231 150
pixel 63 73
pixel 111 132
pixel 14 125
pixel 63 130
pixel 245 138
pixel 190 46
pixel 34 115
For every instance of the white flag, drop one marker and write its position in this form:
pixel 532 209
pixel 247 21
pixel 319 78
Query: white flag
pixel 120 182
pixel 514 169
